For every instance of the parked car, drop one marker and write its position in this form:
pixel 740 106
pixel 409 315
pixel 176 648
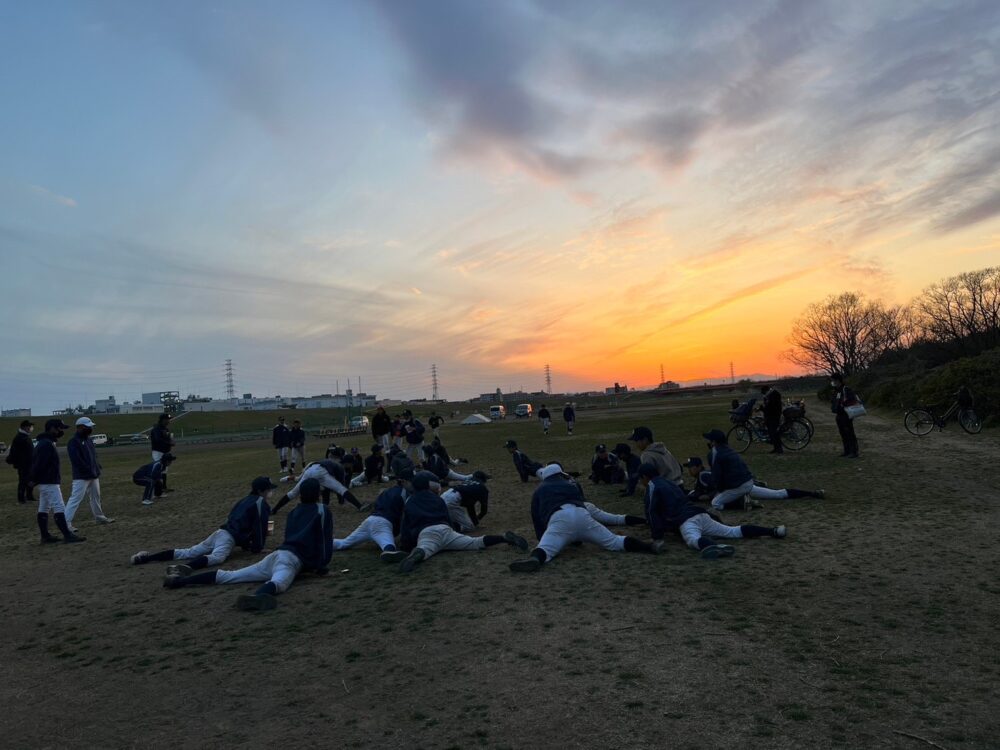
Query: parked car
pixel 359 423
pixel 99 438
pixel 498 412
pixel 137 437
pixel 523 410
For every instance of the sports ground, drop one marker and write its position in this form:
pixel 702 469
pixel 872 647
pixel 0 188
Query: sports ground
pixel 874 624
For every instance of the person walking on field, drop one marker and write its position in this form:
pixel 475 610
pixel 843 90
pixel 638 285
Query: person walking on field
pixel 844 397
pixel 161 441
pixel 569 417
pixel 546 418
pixel 382 428
pixel 297 444
pixel 45 474
pixel 772 416
pixel 19 457
pixel 86 473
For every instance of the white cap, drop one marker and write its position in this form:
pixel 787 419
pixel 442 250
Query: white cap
pixel 85 422
pixel 550 471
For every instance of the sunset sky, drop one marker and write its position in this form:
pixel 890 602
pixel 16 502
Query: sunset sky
pixel 319 190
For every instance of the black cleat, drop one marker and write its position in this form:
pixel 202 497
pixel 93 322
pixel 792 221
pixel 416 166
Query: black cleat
pixel 516 540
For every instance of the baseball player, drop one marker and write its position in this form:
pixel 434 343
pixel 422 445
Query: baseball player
pixel 399 462
pixel 569 417
pixel 546 419
pixel 426 527
pixel 330 476
pixel 374 468
pixel 308 546
pixel 382 428
pixel 45 475
pixel 435 423
pixel 151 476
pixel 161 442
pixel 245 526
pixel 86 473
pixel 705 489
pixel 413 430
pixel 440 468
pixel 468 502
pixel 383 525
pixel 297 444
pixel 560 517
pixel 604 467
pixel 281 439
pixel 19 457
pixel 657 454
pixel 667 509
pixel 630 463
pixel 443 452
pixel 524 465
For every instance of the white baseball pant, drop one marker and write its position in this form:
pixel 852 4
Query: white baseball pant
pixel 434 539
pixel 50 499
pixel 766 493
pixel 456 477
pixel 89 488
pixel 726 496
pixel 372 529
pixel 416 452
pixel 322 476
pixel 282 454
pixel 456 512
pixel 602 516
pixel 546 424
pixel 157 455
pixel 216 547
pixel 298 455
pixel 571 523
pixel 385 441
pixel 280 568
pixel 703 524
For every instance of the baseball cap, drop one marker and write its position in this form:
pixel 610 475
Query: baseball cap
pixel 376 448
pixel 622 449
pixel 262 484
pixel 552 470
pixel 57 424
pixel 648 471
pixel 510 444
pixel 425 480
pixel 716 436
pixel 641 433
pixel 85 422
pixel 480 476
pixel 600 448
pixel 406 474
pixel 693 461
pixel 27 423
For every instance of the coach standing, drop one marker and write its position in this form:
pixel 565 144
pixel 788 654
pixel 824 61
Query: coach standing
pixel 381 428
pixel 19 457
pixel 45 474
pixel 86 473
pixel 772 416
pixel 162 442
pixel 281 438
pixel 844 396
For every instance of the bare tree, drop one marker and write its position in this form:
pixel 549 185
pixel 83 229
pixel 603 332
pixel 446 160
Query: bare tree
pixel 962 311
pixel 847 333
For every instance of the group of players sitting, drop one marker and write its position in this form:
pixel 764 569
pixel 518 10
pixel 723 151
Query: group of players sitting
pixel 423 513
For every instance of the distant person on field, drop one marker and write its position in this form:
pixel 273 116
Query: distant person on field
pixel 657 454
pixel 413 432
pixel 86 473
pixel 297 444
pixel 19 457
pixel 569 417
pixel 152 476
pixel 45 475
pixel 161 442
pixel 382 428
pixel 435 423
pixel 546 418
pixel 281 440
pixel 771 409
pixel 844 396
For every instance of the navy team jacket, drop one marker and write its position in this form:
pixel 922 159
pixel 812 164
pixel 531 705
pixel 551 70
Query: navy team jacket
pixel 550 496
pixel 309 534
pixel 247 522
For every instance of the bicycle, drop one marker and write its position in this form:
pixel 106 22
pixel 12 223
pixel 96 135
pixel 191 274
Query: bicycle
pixel 921 421
pixel 794 433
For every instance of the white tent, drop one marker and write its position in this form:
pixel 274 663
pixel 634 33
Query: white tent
pixel 476 419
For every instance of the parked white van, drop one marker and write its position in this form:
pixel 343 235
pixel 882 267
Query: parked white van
pixel 99 439
pixel 523 410
pixel 498 412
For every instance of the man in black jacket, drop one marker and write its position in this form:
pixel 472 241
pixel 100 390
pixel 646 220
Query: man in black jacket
pixel 45 475
pixel 297 444
pixel 161 442
pixel 382 428
pixel 19 457
pixel 772 416
pixel 281 439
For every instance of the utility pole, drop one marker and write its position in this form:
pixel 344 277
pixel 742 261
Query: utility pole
pixel 662 379
pixel 732 373
pixel 434 382
pixel 548 379
pixel 230 386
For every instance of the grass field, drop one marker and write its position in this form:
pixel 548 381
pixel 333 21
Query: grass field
pixel 874 620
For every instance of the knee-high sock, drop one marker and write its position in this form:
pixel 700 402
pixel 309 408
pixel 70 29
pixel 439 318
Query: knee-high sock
pixel 198 579
pixel 43 525
pixel 60 519
pixel 635 520
pixel 539 554
pixel 794 494
pixel 167 554
pixel 637 545
pixel 752 532
pixel 267 588
pixel 491 539
pixel 199 562
pixel 705 541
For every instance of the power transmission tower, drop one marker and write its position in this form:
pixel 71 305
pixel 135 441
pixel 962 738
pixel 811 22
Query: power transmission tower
pixel 434 382
pixel 230 386
pixel 662 379
pixel 732 373
pixel 548 379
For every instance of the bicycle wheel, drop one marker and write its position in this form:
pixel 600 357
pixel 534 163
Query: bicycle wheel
pixel 809 425
pixel 795 436
pixel 970 421
pixel 739 438
pixel 918 422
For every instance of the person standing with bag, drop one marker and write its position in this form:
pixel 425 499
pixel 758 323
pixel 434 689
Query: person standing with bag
pixel 844 403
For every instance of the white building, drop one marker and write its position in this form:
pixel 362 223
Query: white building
pixel 140 408
pixel 16 413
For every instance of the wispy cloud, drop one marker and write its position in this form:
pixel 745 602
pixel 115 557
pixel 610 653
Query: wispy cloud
pixel 62 200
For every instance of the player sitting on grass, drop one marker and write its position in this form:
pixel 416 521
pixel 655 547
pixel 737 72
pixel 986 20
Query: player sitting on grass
pixel 560 517
pixel 151 477
pixel 308 546
pixel 426 527
pixel 604 467
pixel 668 509
pixel 383 525
pixel 246 526
pixel 330 475
pixel 468 502
pixel 732 481
pixel 524 465
pixel 704 489
pixel 630 463
pixel 439 468
pixel 374 468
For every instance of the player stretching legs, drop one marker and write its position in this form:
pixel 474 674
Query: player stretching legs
pixel 308 546
pixel 330 475
pixel 245 526
pixel 383 524
pixel 560 517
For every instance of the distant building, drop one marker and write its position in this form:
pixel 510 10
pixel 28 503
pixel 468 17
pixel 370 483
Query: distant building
pixel 616 388
pixel 105 406
pixel 668 385
pixel 15 413
pixel 140 408
pixel 273 403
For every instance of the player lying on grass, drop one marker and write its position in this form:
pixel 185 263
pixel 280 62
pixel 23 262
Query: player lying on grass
pixel 330 475
pixel 443 452
pixel 704 489
pixel 733 482
pixel 525 467
pixel 668 509
pixel 383 525
pixel 308 546
pixel 439 468
pixel 560 517
pixel 151 476
pixel 246 527
pixel 426 527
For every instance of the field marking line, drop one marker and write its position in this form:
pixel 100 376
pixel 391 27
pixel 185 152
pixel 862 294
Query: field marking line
pixel 918 737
